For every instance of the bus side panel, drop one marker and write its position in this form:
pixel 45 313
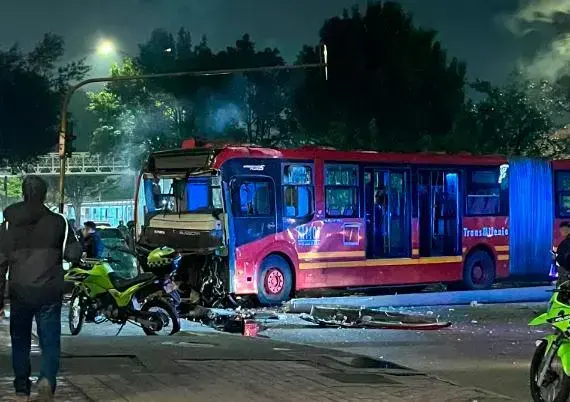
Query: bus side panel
pixel 382 272
pixel 326 246
pixel 489 233
pixel 245 250
pixel 531 212
pixel 249 257
pixel 317 252
pixel 556 233
pixel 561 185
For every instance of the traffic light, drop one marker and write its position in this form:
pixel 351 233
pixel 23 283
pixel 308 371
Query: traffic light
pixel 69 136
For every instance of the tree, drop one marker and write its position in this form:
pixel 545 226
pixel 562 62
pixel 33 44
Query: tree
pixel 261 100
pixel 134 120
pixel 31 86
pixel 517 118
pixel 142 116
pixel 390 85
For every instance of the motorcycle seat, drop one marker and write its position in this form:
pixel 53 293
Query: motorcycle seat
pixel 122 284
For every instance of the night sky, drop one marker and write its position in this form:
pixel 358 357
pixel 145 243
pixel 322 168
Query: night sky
pixel 484 33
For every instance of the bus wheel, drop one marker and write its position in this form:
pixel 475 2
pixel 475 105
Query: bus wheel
pixel 479 271
pixel 275 281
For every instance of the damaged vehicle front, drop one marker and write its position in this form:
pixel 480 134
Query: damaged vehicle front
pixel 180 205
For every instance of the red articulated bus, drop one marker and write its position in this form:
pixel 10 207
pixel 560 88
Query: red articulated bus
pixel 271 222
pixel 561 170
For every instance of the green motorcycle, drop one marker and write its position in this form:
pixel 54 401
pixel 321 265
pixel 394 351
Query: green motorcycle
pixel 550 367
pixel 100 295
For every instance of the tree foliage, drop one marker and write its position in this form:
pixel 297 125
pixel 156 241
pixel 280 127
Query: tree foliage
pixel 517 118
pixel 31 86
pixel 134 119
pixel 390 86
pixel 154 114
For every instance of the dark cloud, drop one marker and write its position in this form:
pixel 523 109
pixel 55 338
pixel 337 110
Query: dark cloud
pixel 544 26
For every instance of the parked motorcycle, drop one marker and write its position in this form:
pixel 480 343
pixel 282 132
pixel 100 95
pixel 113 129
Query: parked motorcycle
pixel 550 366
pixel 101 295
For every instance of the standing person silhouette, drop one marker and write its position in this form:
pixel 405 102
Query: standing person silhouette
pixel 33 243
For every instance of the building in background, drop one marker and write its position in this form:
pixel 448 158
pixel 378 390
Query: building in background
pixel 111 212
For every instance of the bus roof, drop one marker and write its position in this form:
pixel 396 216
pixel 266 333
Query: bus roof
pixel 214 158
pixel 329 154
pixel 561 164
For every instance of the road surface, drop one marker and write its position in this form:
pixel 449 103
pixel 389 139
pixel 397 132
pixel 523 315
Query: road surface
pixel 489 346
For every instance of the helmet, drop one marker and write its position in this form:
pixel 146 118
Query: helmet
pixel 160 257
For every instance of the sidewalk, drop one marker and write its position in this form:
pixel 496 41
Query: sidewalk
pixel 220 367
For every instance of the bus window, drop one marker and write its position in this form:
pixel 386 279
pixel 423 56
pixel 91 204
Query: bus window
pixel 164 194
pixel 563 194
pixel 252 198
pixel 297 191
pixel 483 193
pixel 387 218
pixel 198 194
pixel 341 191
pixel 438 199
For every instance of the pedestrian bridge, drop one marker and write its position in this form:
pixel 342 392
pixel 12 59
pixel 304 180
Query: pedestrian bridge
pixel 80 163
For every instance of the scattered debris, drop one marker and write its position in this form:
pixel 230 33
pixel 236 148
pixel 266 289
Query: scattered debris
pixel 238 321
pixel 348 317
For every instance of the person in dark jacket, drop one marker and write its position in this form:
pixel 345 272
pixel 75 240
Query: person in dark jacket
pixel 33 243
pixel 563 253
pixel 92 244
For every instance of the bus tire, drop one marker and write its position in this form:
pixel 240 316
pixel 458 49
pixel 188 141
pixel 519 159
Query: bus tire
pixel 274 281
pixel 479 271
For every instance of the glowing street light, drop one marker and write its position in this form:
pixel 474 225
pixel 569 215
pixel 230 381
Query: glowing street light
pixel 106 48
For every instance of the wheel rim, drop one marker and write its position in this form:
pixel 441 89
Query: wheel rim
pixel 274 281
pixel 75 309
pixel 161 314
pixel 478 274
pixel 553 381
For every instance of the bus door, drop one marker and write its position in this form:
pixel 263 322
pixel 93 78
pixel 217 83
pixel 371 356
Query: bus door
pixel 438 209
pixel 387 213
pixel 253 208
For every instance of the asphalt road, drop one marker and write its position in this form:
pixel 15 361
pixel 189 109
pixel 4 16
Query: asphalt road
pixel 489 346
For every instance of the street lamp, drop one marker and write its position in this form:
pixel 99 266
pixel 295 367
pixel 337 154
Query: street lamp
pixel 106 48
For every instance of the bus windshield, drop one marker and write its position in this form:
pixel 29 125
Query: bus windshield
pixel 183 195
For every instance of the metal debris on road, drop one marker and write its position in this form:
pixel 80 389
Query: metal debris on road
pixel 238 321
pixel 347 317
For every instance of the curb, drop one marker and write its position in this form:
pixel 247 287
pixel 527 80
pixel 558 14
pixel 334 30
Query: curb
pixel 493 296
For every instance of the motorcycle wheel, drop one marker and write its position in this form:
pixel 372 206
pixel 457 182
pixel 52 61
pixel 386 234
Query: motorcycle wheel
pixel 76 313
pixel 558 383
pixel 164 311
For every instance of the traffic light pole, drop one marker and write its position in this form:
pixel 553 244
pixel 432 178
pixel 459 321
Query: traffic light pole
pixel 65 104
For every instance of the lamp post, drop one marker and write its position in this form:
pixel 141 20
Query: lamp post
pixel 73 88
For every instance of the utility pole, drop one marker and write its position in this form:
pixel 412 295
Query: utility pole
pixel 63 127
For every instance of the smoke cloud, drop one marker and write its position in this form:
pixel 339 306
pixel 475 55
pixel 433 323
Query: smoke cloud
pixel 545 24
